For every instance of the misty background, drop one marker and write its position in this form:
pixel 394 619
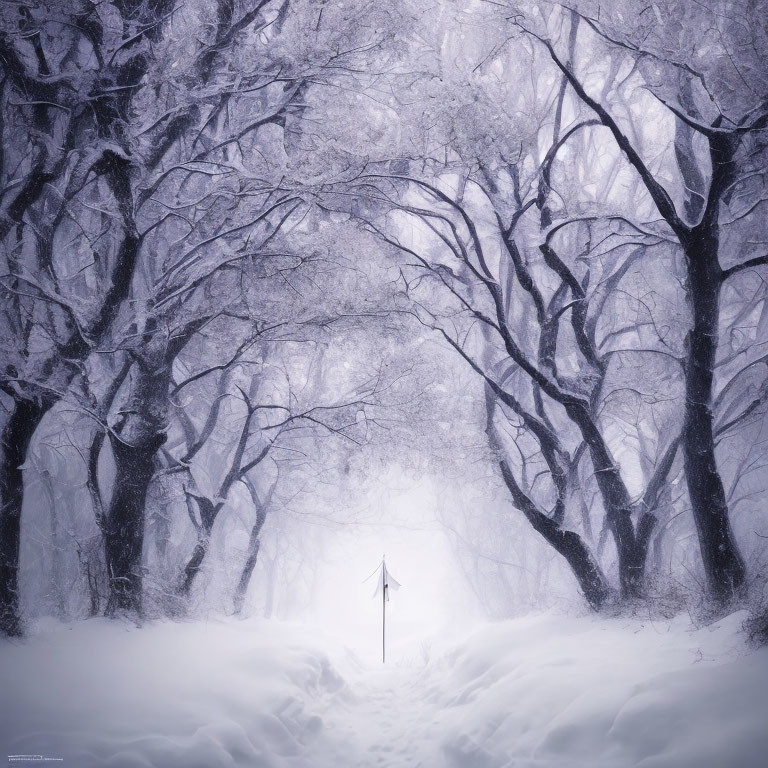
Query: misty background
pixel 289 285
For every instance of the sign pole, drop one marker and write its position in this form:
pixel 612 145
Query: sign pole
pixel 385 581
pixel 384 614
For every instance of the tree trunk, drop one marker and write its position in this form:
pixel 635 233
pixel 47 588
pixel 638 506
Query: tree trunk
pixel 723 564
pixel 135 441
pixel 208 513
pixel 192 568
pixel 566 543
pixel 124 528
pixel 631 541
pixel 254 544
pixel 16 437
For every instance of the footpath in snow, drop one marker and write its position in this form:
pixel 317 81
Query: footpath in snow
pixel 545 691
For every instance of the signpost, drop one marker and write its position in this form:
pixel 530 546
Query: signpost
pixel 384 582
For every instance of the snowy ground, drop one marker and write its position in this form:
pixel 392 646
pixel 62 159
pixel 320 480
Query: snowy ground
pixel 545 691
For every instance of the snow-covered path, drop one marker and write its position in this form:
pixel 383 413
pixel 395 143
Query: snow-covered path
pixel 552 692
pixel 379 724
pixel 544 691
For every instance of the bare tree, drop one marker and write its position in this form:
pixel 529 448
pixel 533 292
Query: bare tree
pixel 487 299
pixel 733 139
pixel 69 85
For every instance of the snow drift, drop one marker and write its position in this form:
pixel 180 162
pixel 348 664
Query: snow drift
pixel 544 690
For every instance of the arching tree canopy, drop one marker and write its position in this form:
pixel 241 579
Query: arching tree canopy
pixel 259 255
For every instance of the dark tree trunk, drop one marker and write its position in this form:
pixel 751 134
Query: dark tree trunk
pixel 208 513
pixel 631 541
pixel 16 437
pixel 192 568
pixel 566 543
pixel 135 440
pixel 723 564
pixel 252 555
pixel 124 527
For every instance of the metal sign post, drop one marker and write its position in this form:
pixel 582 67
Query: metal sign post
pixel 383 583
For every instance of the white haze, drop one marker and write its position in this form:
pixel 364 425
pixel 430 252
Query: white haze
pixel 433 600
pixel 288 287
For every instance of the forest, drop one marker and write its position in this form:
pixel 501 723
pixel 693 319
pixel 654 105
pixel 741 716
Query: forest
pixel 481 282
